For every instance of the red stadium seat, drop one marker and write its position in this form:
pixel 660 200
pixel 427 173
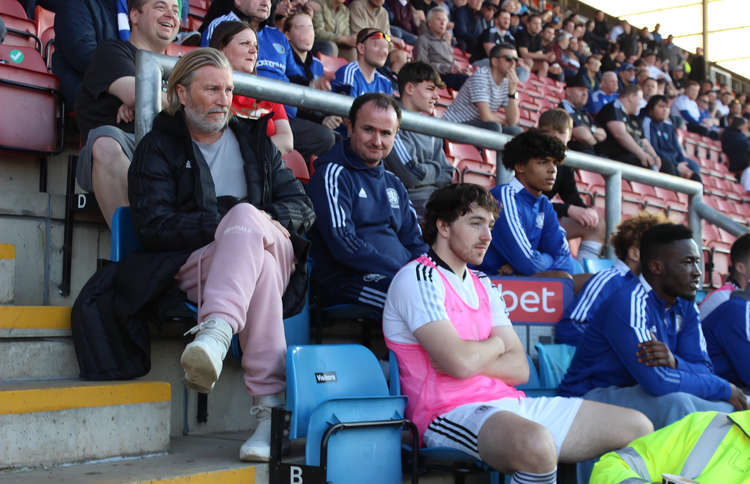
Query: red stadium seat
pixel 445 96
pixel 12 8
pixel 592 179
pixel 44 20
pixel 21 32
pixel 295 162
pixel 331 65
pixel 676 210
pixel 178 50
pixel 30 116
pixel 720 270
pixel 628 194
pixel 463 152
pixel 490 156
pixel 648 194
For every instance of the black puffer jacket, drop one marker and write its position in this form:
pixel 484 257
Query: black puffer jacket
pixel 174 204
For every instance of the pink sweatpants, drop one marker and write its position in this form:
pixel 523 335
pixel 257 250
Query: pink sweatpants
pixel 240 278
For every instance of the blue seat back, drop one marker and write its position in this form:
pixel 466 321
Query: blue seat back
pixel 533 382
pixel 124 238
pixel 362 455
pixel 330 384
pixel 554 360
pixel 317 373
pixel 593 266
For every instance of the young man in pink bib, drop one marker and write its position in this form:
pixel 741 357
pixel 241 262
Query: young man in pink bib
pixel 459 357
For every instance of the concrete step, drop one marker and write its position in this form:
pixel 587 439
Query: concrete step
pixel 45 423
pixel 34 321
pixel 37 359
pixel 7 273
pixel 35 343
pixel 209 458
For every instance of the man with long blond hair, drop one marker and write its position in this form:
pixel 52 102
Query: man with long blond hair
pixel 214 187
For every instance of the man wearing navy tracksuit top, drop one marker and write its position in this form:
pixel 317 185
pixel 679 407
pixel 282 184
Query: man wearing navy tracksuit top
pixel 366 228
pixel 579 313
pixel 727 330
pixel 527 234
pixel 644 348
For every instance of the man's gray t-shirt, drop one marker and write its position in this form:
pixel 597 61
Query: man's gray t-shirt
pixel 224 158
pixel 480 87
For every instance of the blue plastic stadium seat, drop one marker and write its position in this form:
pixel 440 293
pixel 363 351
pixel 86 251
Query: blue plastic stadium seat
pixel 554 360
pixel 593 266
pixel 444 454
pixel 333 384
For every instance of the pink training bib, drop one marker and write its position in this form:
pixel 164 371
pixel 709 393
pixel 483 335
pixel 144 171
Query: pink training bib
pixel 432 394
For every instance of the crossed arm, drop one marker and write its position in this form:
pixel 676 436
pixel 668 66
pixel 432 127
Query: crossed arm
pixel 501 355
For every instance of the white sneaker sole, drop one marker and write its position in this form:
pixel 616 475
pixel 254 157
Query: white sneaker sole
pixel 255 456
pixel 200 372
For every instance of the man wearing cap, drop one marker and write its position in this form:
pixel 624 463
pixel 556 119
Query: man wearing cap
pixel 606 94
pixel 626 75
pixel 585 133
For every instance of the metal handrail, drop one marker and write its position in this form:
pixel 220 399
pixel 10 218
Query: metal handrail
pixel 152 68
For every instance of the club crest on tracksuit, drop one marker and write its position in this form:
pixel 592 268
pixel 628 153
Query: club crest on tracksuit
pixel 392 197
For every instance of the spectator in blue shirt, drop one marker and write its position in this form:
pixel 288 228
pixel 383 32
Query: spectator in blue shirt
pixel 578 315
pixel 727 330
pixel 606 93
pixel 306 70
pixel 663 138
pixel 275 61
pixel 527 238
pixel 644 348
pixel 361 76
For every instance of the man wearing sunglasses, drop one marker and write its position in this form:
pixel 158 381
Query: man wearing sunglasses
pixel 361 76
pixel 487 90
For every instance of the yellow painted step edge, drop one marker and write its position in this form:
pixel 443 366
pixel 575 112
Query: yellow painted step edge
pixel 245 475
pixel 35 317
pixel 84 396
pixel 7 251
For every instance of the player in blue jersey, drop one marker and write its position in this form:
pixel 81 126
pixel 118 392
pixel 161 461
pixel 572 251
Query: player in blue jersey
pixel 644 348
pixel 727 330
pixel 527 238
pixel 603 284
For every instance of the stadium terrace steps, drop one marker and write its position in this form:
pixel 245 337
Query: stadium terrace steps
pixel 7 273
pixel 34 321
pixel 43 423
pixel 190 459
pixel 35 344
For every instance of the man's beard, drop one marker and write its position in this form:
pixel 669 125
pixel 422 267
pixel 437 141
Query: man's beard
pixel 202 122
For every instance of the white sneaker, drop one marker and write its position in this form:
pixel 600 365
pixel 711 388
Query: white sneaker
pixel 258 447
pixel 202 359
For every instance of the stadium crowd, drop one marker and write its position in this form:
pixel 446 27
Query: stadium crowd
pixel 217 211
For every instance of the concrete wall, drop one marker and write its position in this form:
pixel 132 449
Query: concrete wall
pixel 33 222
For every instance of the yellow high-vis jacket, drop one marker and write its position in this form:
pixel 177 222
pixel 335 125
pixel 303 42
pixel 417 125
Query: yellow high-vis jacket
pixel 708 447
